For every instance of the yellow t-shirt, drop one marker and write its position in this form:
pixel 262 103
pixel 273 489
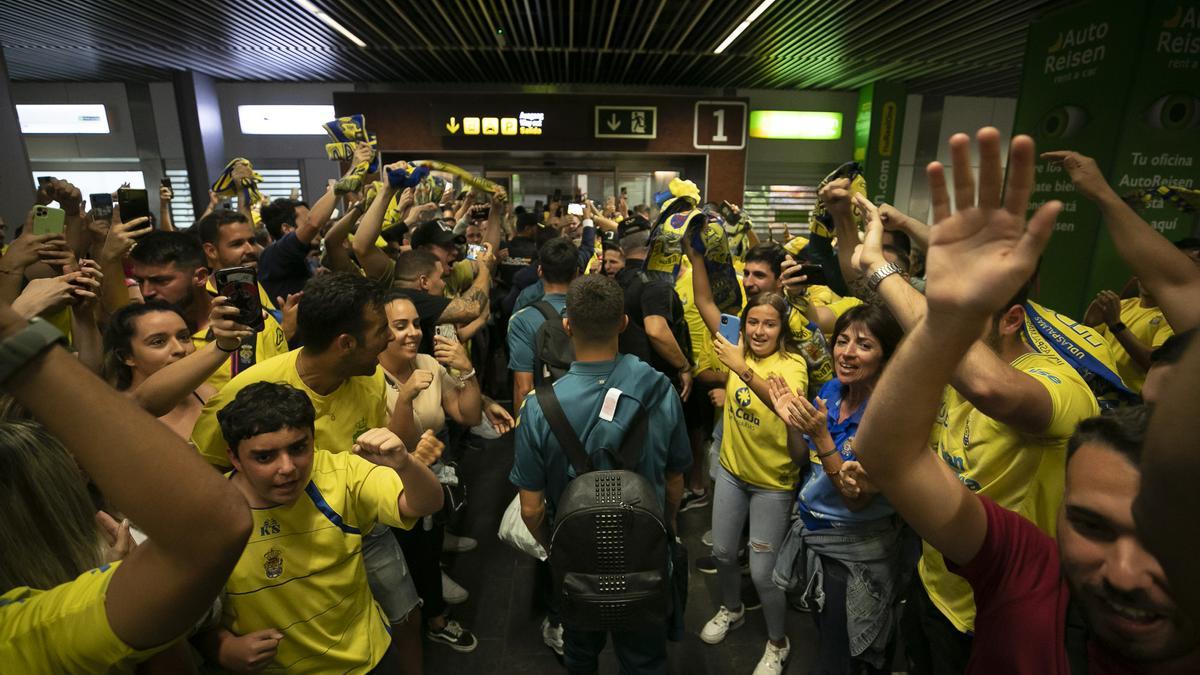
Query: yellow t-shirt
pixel 269 342
pixel 754 445
pixel 703 357
pixel 342 416
pixel 462 275
pixel 1020 472
pixel 64 629
pixel 302 570
pixel 1149 326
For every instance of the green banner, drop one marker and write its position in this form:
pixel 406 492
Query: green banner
pixel 878 126
pixel 1078 64
pixel 1160 135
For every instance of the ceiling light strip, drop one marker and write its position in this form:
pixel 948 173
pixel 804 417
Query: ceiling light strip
pixel 329 21
pixel 762 7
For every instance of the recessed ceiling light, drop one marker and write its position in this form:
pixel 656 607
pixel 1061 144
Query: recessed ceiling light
pixel 329 21
pixel 762 7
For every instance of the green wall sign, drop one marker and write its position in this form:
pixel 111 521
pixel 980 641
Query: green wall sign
pixel 878 126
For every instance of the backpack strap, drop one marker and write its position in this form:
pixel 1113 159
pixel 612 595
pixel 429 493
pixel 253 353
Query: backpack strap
pixel 634 441
pixel 1075 635
pixel 561 427
pixel 547 310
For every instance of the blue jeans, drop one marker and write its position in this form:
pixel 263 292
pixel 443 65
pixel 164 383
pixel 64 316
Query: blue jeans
pixel 770 513
pixel 642 652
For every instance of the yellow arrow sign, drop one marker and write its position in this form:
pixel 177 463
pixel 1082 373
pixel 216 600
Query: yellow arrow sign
pixel 452 126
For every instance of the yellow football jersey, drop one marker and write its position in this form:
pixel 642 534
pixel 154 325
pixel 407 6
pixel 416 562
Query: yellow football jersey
pixel 1022 472
pixel 302 571
pixel 754 445
pixel 1149 326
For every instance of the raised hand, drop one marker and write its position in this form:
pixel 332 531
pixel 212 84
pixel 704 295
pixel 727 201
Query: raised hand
pixel 227 331
pixel 981 254
pixel 122 237
pixel 30 248
pixel 118 539
pixel 429 448
pixel 383 447
pixel 1109 306
pixel 868 256
pixel 451 353
pixel 785 401
pixel 289 307
pixel 1083 171
pixel 418 382
pixel 836 198
pixel 50 293
pixel 729 354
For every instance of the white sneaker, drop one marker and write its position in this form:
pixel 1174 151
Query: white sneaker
pixel 453 593
pixel 455 544
pixel 706 538
pixel 720 625
pixel 552 636
pixel 774 659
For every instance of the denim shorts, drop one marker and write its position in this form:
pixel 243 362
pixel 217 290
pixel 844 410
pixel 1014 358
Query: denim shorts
pixel 387 574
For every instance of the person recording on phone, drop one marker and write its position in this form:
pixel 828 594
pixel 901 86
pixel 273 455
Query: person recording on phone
pixel 170 266
pixel 425 390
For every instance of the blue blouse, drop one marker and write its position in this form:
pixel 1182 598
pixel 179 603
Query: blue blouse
pixel 819 500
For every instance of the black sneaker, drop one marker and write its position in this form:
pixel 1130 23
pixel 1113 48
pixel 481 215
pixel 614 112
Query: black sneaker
pixel 694 500
pixel 454 636
pixel 708 563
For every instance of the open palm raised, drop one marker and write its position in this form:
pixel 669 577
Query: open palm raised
pixel 981 254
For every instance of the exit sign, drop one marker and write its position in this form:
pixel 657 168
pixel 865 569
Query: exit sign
pixel 626 121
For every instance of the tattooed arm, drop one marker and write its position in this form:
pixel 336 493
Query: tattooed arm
pixel 467 307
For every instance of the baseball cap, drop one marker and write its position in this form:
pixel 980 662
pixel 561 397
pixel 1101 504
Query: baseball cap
pixel 431 233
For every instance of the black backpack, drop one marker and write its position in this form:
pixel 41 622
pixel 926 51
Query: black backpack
pixel 552 348
pixel 610 546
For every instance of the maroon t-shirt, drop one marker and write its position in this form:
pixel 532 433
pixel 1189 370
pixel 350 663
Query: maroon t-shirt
pixel 1021 603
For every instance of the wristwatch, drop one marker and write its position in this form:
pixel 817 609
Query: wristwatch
pixel 747 375
pixel 1116 327
pixel 880 274
pixel 17 350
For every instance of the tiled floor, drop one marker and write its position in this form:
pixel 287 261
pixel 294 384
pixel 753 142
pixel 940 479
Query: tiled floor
pixel 501 612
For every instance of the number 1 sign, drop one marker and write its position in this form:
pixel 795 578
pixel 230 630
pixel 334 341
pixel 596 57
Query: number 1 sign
pixel 720 125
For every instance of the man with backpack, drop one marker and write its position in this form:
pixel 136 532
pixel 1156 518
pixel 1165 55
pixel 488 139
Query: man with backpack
pixel 557 266
pixel 600 493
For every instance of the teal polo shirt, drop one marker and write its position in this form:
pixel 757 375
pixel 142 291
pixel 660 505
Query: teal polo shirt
pixel 539 464
pixel 522 332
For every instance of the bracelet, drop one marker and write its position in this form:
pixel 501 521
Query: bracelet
pixel 832 474
pixel 20 348
pixel 831 453
pixel 462 379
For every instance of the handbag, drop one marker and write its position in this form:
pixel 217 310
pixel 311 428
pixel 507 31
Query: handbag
pixel 514 532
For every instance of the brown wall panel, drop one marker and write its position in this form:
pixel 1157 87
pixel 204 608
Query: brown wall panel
pixel 414 122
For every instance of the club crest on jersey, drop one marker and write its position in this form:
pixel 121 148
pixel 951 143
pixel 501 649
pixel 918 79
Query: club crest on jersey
pixel 274 563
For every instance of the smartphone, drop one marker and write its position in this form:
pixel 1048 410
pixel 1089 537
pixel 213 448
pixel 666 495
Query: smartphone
pixel 447 330
pixel 240 286
pixel 165 181
pixel 473 251
pixel 48 220
pixel 539 209
pixel 102 204
pixel 575 209
pixel 731 328
pixel 134 204
pixel 43 180
pixel 729 214
pixel 815 274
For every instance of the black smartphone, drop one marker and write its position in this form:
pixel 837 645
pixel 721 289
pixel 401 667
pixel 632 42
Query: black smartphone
pixel 102 205
pixel 539 209
pixel 815 274
pixel 134 203
pixel 729 214
pixel 165 181
pixel 240 286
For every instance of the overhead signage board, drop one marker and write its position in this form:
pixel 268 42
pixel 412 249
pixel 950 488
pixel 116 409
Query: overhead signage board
pixel 626 121
pixel 719 125
pixel 448 121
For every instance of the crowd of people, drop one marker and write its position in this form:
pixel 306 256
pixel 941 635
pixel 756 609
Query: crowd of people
pixel 236 447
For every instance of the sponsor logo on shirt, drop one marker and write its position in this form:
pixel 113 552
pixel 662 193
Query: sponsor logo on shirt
pixel 743 398
pixel 271 526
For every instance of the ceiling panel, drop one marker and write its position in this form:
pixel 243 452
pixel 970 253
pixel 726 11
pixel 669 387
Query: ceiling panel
pixel 935 46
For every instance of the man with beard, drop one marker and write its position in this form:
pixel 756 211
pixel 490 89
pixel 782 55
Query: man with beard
pixel 1096 602
pixel 170 266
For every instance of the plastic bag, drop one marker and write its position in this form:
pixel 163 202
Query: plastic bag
pixel 514 533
